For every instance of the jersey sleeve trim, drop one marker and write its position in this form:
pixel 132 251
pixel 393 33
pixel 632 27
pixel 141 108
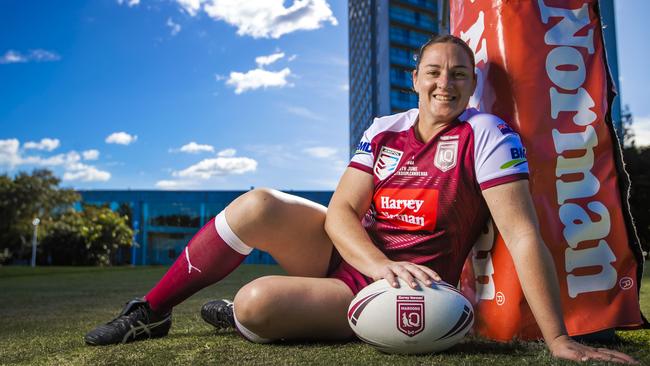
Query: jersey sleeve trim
pixel 362 167
pixel 503 180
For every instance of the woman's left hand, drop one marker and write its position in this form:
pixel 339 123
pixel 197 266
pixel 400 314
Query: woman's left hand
pixel 567 348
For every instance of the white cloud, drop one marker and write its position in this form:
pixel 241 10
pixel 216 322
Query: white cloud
pixel 130 3
pixel 87 173
pixel 70 159
pixel 46 144
pixel 270 18
pixel 37 55
pixel 267 60
pixel 90 154
pixel 43 56
pixel 175 184
pixel 641 130
pixel 345 87
pixel 70 162
pixel 321 152
pixel 121 138
pixel 194 148
pixel 226 153
pixel 9 153
pixel 258 78
pixel 218 166
pixel 175 28
pixel 292 57
pixel 304 113
pixel 12 57
pixel 192 7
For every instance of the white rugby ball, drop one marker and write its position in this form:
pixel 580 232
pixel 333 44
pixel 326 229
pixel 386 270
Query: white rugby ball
pixel 404 320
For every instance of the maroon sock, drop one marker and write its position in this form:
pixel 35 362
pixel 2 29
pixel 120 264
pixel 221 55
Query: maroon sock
pixel 207 258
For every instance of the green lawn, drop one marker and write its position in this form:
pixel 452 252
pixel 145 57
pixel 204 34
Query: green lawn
pixel 45 313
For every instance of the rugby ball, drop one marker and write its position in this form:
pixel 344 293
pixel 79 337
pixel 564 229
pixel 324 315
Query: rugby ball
pixel 405 320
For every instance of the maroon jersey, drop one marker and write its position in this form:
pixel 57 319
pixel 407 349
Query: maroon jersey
pixel 427 206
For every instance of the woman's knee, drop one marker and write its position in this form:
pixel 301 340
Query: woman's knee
pixel 255 205
pixel 255 305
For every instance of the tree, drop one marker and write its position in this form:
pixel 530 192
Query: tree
pixel 89 237
pixel 23 198
pixel 637 165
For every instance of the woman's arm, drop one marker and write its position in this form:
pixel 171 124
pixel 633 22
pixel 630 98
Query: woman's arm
pixel 513 212
pixel 350 202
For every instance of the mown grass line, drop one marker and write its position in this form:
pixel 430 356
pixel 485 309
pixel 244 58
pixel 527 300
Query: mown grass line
pixel 46 311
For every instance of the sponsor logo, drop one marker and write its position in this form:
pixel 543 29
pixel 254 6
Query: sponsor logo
pixel 626 283
pixel 518 152
pixel 571 105
pixel 410 314
pixel 518 155
pixel 501 298
pixel 446 155
pixel 505 129
pixel 408 208
pixel 387 162
pixel 363 148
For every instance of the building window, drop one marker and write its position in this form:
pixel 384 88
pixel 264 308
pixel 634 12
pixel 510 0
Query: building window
pixel 408 37
pixel 175 214
pixel 402 100
pixel 164 248
pixel 402 57
pixel 401 78
pixel 413 18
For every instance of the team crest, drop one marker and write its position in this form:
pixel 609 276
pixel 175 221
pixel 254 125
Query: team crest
pixel 387 162
pixel 446 155
pixel 410 314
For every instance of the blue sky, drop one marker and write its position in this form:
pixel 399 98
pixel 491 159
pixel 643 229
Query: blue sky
pixel 194 94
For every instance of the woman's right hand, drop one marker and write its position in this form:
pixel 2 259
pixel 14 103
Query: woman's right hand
pixel 407 271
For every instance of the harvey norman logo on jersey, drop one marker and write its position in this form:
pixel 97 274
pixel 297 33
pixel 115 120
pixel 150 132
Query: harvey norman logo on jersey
pixel 409 208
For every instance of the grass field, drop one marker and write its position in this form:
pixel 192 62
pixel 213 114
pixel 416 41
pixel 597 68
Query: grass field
pixel 46 311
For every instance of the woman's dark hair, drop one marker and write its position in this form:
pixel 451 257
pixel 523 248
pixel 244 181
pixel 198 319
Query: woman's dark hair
pixel 447 38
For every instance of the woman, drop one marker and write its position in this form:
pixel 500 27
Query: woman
pixel 410 205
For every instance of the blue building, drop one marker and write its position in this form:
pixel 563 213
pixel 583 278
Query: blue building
pixel 165 221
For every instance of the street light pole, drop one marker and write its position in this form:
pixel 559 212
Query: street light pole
pixel 35 240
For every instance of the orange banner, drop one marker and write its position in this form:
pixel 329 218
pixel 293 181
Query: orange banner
pixel 541 67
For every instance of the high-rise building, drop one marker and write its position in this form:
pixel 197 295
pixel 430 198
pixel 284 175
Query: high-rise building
pixel 384 37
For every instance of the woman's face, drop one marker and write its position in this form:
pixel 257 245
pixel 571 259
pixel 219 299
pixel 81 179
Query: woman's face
pixel 444 82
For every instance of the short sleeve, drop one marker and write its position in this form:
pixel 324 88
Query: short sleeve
pixel 363 157
pixel 499 155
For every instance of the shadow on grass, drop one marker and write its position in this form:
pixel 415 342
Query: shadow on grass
pixel 472 346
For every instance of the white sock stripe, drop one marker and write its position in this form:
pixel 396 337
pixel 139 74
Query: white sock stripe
pixel 226 233
pixel 246 333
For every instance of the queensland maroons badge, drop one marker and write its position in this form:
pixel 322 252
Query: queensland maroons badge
pixel 387 162
pixel 410 314
pixel 446 155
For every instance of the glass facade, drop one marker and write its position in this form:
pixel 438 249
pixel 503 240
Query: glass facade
pixel 165 221
pixel 384 38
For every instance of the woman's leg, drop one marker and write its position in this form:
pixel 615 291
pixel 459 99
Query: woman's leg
pixel 280 307
pixel 290 228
